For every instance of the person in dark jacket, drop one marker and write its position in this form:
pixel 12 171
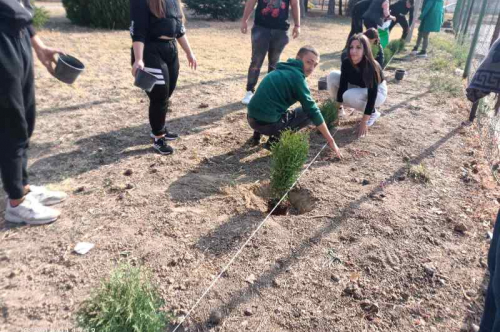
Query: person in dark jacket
pixel 156 26
pixel 268 112
pixel 371 13
pixel 360 83
pixel 26 203
pixel 376 48
pixel 399 10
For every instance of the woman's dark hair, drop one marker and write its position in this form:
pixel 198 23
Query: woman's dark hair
pixel 158 9
pixel 371 70
pixel 372 33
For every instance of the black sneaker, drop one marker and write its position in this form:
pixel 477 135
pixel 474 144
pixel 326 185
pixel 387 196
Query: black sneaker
pixel 272 140
pixel 160 145
pixel 168 136
pixel 255 140
pixel 422 54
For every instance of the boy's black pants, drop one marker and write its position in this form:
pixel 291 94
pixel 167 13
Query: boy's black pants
pixel 17 110
pixel 404 24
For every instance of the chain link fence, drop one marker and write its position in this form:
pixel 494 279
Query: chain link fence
pixel 477 23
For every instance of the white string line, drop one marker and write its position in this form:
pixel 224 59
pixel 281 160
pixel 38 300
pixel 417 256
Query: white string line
pixel 247 241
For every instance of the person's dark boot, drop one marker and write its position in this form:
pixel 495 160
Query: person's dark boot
pixel 272 140
pixel 255 140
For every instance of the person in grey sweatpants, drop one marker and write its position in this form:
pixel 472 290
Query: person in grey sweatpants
pixel 25 203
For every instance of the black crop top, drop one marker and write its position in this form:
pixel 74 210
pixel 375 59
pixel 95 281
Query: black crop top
pixel 145 26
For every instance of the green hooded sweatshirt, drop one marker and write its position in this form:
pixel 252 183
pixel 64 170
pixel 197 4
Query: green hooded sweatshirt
pixel 279 90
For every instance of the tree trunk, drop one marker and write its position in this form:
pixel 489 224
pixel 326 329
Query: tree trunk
pixel 416 11
pixel 340 7
pixel 302 8
pixel 331 8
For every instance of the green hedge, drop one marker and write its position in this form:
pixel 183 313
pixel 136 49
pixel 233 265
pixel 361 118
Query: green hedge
pixel 40 17
pixel 217 9
pixel 108 14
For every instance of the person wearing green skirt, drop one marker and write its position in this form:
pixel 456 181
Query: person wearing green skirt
pixel 431 20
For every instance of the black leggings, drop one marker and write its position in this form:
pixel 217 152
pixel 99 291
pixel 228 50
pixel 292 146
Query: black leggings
pixel 17 110
pixel 161 59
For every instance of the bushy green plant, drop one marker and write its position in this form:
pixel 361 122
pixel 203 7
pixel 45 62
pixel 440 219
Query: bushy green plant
pixel 128 301
pixel 457 51
pixel 40 16
pixel 440 63
pixel 330 111
pixel 446 84
pixel 419 173
pixel 387 56
pixel 288 157
pixel 109 14
pixel 396 46
pixel 217 9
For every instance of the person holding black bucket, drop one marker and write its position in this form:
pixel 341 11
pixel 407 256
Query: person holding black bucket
pixel 155 27
pixel 26 203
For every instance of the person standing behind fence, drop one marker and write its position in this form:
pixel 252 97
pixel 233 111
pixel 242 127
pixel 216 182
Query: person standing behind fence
pixel 431 20
pixel 155 27
pixel 269 35
pixel 399 10
pixel 360 84
pixel 26 203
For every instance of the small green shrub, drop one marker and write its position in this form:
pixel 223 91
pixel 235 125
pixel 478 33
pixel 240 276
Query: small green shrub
pixel 419 173
pixel 446 84
pixel 393 46
pixel 217 9
pixel 387 56
pixel 40 17
pixel 441 64
pixel 458 52
pixel 109 14
pixel 288 157
pixel 330 111
pixel 128 301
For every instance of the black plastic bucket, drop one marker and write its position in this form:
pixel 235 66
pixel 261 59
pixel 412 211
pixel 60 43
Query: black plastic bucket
pixel 145 80
pixel 322 85
pixel 400 73
pixel 68 68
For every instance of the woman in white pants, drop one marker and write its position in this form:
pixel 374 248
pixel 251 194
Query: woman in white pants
pixel 360 84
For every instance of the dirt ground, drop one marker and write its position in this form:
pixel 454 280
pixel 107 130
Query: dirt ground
pixel 380 252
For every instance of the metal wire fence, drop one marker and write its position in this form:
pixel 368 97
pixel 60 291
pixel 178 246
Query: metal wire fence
pixel 477 23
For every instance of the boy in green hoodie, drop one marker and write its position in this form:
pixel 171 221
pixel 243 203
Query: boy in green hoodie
pixel 268 112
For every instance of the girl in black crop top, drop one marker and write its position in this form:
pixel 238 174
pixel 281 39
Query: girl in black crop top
pixel 361 69
pixel 155 27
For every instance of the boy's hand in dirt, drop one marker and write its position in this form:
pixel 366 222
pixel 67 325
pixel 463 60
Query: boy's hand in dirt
pixel 138 64
pixel 335 148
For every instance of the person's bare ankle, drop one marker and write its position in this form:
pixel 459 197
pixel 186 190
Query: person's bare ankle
pixel 16 202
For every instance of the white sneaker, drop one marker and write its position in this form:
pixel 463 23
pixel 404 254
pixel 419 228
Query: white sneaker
pixel 247 98
pixel 30 212
pixel 375 115
pixel 414 52
pixel 45 196
pixel 342 113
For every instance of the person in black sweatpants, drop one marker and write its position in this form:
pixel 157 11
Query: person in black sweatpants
pixel 156 26
pixel 399 10
pixel 25 203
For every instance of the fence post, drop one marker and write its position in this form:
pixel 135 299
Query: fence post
pixel 468 16
pixel 462 14
pixel 496 33
pixel 416 15
pixel 475 39
pixel 456 13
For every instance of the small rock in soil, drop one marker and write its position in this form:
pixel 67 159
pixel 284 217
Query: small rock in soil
pixel 276 283
pixel 401 178
pixel 203 105
pixel 369 307
pixel 129 186
pixel 80 190
pixel 335 278
pixel 460 228
pixel 128 172
pixel 474 328
pixel 429 270
pixel 248 312
pixel 365 182
pixel 250 279
pixel 215 318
